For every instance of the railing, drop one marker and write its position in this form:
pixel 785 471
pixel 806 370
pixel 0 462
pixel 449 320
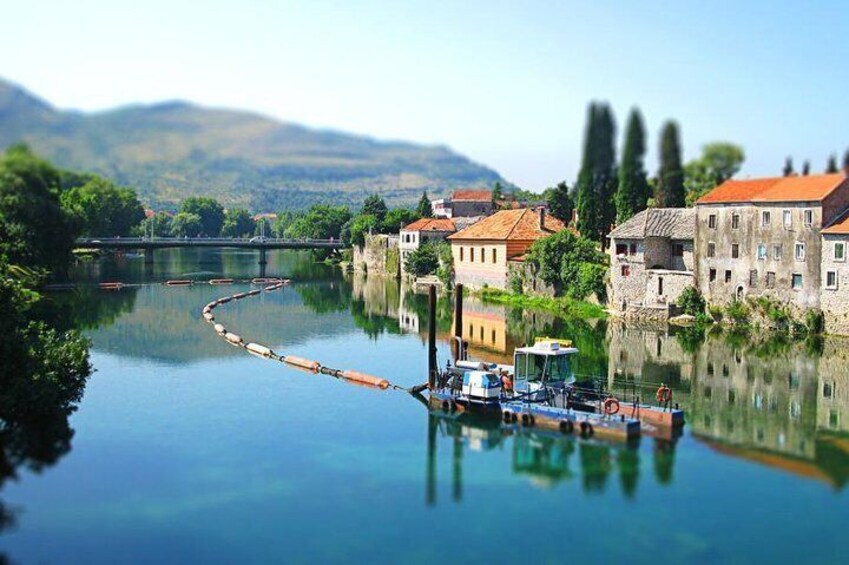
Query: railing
pixel 267 241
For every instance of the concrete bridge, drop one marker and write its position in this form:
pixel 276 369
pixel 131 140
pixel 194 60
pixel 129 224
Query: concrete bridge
pixel 148 245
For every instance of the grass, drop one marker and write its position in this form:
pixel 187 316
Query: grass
pixel 562 306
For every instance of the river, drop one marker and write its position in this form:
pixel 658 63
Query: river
pixel 187 449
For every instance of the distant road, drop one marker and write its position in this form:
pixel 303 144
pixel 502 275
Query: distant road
pixel 172 242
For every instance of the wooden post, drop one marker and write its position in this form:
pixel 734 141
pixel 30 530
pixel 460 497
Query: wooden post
pixel 458 320
pixel 431 338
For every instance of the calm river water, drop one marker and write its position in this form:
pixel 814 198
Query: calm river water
pixel 186 449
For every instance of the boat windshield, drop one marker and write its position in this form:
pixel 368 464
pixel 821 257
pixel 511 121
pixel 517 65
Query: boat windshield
pixel 535 367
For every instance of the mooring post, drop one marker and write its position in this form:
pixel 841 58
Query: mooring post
pixel 458 320
pixel 431 338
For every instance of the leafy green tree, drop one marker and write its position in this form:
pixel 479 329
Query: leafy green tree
pixel 374 206
pixel 497 192
pixel 284 220
pixel 424 260
pixel 560 203
pixel 597 177
pixel 831 166
pixel 320 222
pixel 263 227
pixel 210 212
pixel 788 167
pixel 238 222
pixel 633 193
pixel 571 264
pixel 670 178
pixel 397 218
pixel 186 224
pixel 102 209
pixel 424 208
pixel 34 229
pixel 718 162
pixel 356 230
pixel 158 225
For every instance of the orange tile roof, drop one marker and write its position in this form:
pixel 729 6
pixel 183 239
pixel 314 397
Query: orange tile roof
pixel 472 196
pixel 520 225
pixel 840 225
pixel 775 189
pixel 431 224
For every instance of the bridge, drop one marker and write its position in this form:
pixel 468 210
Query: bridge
pixel 149 244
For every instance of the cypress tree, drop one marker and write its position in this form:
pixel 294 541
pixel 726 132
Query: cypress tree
pixel 806 168
pixel 669 192
pixel 597 178
pixel 788 167
pixel 633 191
pixel 846 160
pixel 831 168
pixel 424 209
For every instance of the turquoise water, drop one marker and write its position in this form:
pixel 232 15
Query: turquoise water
pixel 187 449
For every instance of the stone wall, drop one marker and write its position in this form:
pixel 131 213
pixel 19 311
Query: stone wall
pixel 379 256
pixel 834 299
pixel 531 283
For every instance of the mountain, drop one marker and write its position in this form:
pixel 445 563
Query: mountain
pixel 172 150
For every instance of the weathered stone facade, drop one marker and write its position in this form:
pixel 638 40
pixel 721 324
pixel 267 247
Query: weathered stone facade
pixel 379 256
pixel 834 297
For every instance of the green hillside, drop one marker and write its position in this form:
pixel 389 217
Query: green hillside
pixel 173 150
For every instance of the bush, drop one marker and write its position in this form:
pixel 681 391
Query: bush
pixel 422 261
pixel 716 313
pixel 572 265
pixel 691 301
pixel 516 282
pixel 815 321
pixel 738 312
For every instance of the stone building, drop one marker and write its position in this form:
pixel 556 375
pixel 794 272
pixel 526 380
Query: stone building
pixel 762 237
pixel 421 231
pixel 483 252
pixel 464 203
pixel 834 296
pixel 651 261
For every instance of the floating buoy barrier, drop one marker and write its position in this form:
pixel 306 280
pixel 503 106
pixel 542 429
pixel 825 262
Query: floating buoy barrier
pixel 208 317
pixel 253 292
pixel 260 350
pixel 239 296
pixel 224 300
pixel 365 379
pixel 220 329
pixel 179 282
pixel 220 281
pixel 233 338
pixel 314 366
pixel 111 285
pixel 266 280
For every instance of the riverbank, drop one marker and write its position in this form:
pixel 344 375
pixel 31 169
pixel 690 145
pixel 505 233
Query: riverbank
pixel 562 306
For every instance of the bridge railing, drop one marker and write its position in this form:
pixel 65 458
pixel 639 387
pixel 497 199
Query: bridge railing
pixel 207 240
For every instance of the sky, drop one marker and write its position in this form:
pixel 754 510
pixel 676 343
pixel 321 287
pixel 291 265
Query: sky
pixel 504 83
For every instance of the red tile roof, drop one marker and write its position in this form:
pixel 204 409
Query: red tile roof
pixel 431 224
pixel 472 196
pixel 520 225
pixel 840 225
pixel 776 189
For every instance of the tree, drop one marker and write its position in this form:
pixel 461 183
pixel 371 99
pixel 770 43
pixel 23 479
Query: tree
pixel 560 203
pixel 425 208
pixel 374 206
pixel 632 194
pixel 597 177
pixel 806 168
pixel 186 224
pixel 424 260
pixel 102 209
pixel 210 212
pixel 158 225
pixel 718 162
pixel 397 218
pixel 571 264
pixel 497 192
pixel 669 192
pixel 846 160
pixel 354 232
pixel 320 222
pixel 788 167
pixel 238 222
pixel 34 229
pixel 831 166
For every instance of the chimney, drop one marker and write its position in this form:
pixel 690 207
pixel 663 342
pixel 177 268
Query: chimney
pixel 541 211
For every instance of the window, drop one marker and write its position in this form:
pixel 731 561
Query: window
pixel 727 276
pixel 800 251
pixel 633 249
pixel 809 218
pixel 461 254
pixel 831 279
pixel 765 218
pixel 788 219
pixel 770 279
pixel 827 390
pixel 761 252
pixel 735 250
pixel 797 281
pixel 494 255
pixel 753 278
pixel 660 286
pixel 712 275
pixel 677 249
pixel 471 254
pixel 712 221
pixel 626 270
pixel 621 249
pixel 776 252
pixel 711 252
pixel 735 221
pixel 839 251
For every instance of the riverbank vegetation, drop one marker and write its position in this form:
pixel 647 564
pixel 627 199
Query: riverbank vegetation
pixel 562 306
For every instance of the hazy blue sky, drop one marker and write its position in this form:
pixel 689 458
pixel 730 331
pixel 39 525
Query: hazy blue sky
pixel 506 83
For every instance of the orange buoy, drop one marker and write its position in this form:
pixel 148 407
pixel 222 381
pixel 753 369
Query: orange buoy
pixel 303 363
pixel 611 406
pixel 221 281
pixel 111 285
pixel 178 282
pixel 664 393
pixel 363 378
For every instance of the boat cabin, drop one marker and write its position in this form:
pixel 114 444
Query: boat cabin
pixel 547 363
